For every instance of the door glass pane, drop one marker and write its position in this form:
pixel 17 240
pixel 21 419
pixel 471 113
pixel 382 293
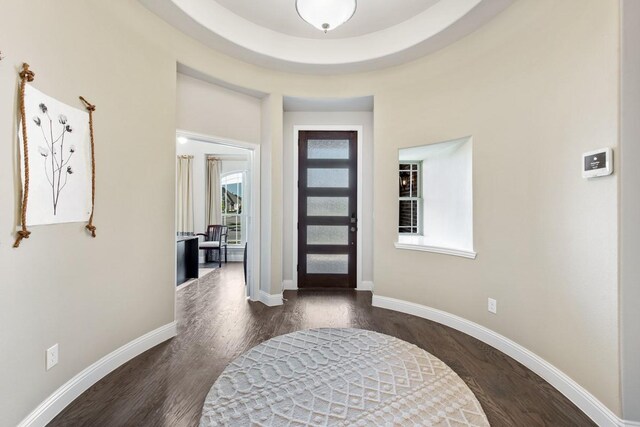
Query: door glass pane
pixel 327 206
pixel 328 178
pixel 327 235
pixel 327 264
pixel 328 149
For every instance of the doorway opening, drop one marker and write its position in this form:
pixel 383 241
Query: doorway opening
pixel 222 204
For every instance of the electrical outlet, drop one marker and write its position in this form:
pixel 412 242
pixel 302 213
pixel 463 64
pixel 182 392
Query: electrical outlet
pixel 492 306
pixel 52 356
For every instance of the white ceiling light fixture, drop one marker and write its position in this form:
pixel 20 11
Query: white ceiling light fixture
pixel 326 15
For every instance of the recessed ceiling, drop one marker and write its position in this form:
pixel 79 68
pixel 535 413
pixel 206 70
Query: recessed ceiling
pixel 370 16
pixel 382 33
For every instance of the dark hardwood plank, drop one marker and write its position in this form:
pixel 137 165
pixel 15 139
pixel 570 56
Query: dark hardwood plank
pixel 167 385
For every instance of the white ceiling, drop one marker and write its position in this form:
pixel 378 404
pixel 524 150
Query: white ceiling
pixel 382 33
pixel 370 16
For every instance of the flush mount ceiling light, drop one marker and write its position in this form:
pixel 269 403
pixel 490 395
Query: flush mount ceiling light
pixel 326 15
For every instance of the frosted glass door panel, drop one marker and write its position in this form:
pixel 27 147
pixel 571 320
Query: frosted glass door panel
pixel 327 206
pixel 328 178
pixel 327 264
pixel 327 235
pixel 328 149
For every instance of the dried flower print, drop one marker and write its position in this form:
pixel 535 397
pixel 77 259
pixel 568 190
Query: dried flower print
pixel 56 166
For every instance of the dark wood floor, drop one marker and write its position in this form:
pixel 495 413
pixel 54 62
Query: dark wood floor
pixel 166 385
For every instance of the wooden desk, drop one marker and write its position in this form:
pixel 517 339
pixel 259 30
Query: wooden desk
pixel 187 258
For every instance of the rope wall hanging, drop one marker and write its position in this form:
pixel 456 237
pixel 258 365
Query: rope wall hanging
pixel 26 75
pixel 91 108
pixel 62 162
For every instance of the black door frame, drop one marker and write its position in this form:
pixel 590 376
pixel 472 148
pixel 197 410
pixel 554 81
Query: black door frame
pixel 333 281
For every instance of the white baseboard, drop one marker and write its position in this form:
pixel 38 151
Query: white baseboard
pixel 231 257
pixel 287 285
pixel 366 285
pixel 77 385
pixel 270 300
pixel 584 400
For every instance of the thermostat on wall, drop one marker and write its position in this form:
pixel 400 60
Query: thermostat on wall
pixel 597 163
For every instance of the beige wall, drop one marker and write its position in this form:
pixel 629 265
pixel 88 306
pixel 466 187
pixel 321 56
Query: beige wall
pixel 212 110
pixel 536 87
pixel 89 295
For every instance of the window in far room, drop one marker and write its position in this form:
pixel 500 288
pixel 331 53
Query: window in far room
pixel 410 200
pixel 232 201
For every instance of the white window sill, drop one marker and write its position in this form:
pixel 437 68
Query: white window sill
pixel 418 243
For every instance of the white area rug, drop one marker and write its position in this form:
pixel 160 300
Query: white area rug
pixel 340 377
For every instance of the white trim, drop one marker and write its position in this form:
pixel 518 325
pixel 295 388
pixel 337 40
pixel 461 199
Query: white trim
pixel 435 249
pixel 235 256
pixel 359 130
pixel 77 385
pixel 270 299
pixel 366 285
pixel 627 423
pixel 253 218
pixel 288 285
pixel 584 400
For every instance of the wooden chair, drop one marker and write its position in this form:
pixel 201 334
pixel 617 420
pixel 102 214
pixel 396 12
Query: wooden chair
pixel 215 239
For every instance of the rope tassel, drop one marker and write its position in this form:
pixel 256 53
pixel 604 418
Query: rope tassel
pixel 26 75
pixel 91 108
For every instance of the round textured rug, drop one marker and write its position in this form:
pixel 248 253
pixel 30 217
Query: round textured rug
pixel 340 377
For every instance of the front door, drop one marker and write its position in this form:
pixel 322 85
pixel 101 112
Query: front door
pixel 327 207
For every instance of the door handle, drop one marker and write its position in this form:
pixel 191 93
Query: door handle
pixel 354 220
pixel 353 229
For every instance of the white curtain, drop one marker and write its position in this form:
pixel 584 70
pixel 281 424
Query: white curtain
pixel 184 216
pixel 213 209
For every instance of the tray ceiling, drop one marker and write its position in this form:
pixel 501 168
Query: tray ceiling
pixel 382 33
